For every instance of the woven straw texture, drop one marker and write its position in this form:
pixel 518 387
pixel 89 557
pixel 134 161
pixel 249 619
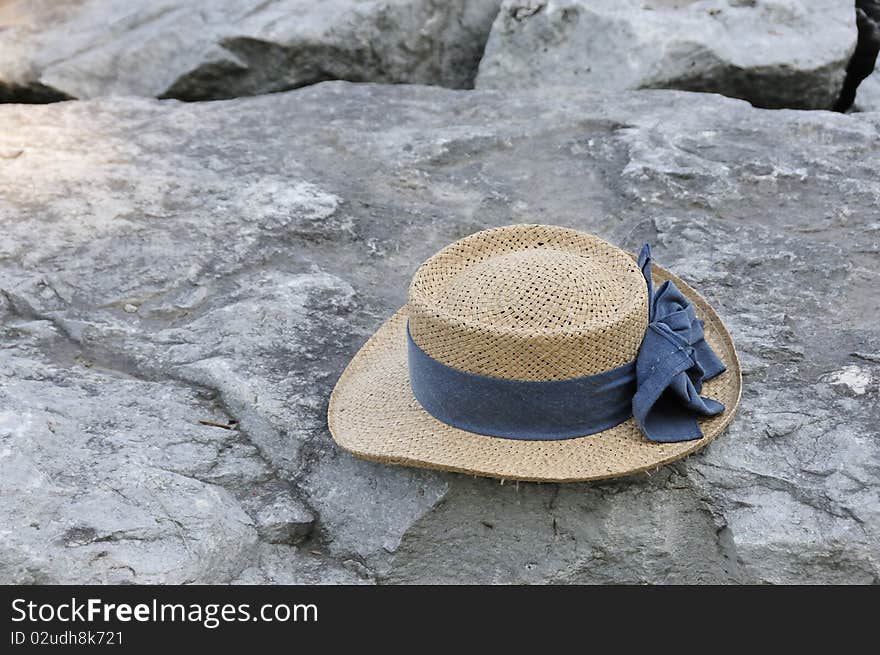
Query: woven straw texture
pixel 527 302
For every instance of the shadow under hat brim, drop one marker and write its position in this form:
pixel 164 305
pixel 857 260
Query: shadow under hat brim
pixel 374 415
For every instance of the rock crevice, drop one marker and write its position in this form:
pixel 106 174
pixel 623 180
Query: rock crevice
pixel 863 61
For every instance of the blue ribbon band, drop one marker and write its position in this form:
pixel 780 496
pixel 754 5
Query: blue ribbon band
pixel 521 409
pixel 661 388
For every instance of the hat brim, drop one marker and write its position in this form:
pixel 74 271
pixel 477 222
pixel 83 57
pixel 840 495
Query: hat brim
pixel 374 415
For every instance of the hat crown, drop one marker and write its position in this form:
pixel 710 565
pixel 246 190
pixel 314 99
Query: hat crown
pixel 529 302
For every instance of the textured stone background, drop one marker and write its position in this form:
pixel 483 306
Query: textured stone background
pixel 170 268
pixel 741 48
pixel 208 49
pixel 774 53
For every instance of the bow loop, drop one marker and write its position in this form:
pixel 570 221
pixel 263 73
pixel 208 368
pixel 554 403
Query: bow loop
pixel 673 362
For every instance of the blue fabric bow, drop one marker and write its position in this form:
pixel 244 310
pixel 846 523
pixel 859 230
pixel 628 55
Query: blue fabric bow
pixel 673 362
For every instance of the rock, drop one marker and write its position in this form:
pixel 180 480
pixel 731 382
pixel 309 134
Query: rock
pixel 208 49
pixel 852 380
pixel 276 564
pixel 111 496
pixel 279 516
pixel 569 534
pixel 773 53
pixel 868 95
pixel 264 239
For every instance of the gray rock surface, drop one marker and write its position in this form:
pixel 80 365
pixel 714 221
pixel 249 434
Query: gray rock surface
pixel 773 53
pixel 183 283
pixel 868 95
pixel 208 49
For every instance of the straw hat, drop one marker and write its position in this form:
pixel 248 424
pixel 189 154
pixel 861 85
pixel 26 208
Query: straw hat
pixel 536 308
